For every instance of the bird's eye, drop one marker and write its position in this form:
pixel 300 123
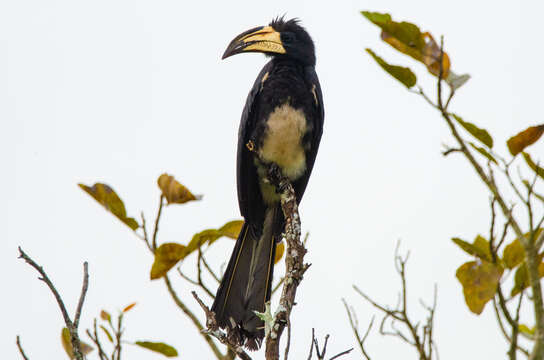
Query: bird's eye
pixel 287 37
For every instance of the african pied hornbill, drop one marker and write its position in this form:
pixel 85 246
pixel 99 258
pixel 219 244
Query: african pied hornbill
pixel 281 123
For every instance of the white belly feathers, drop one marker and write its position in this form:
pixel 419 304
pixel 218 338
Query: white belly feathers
pixel 282 143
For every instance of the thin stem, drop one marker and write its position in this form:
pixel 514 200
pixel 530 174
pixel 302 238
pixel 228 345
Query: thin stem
pixel 20 347
pixel 157 219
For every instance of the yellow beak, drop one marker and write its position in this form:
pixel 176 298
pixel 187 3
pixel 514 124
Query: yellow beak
pixel 262 39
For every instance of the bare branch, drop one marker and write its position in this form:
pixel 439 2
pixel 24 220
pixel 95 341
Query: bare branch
pixel 321 353
pixel 20 347
pixel 96 341
pixel 213 329
pixel 83 293
pixel 420 337
pixel 72 326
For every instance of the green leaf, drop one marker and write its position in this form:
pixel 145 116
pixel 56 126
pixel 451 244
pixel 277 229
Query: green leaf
pixel 406 33
pixel 107 197
pixel 479 248
pixel 483 151
pixel 402 74
pixel 174 192
pixel 108 335
pixel 537 169
pixel 166 257
pixel 159 347
pixel 521 279
pixel 519 142
pixel 479 280
pixel 480 134
pixel 513 254
pixel 66 341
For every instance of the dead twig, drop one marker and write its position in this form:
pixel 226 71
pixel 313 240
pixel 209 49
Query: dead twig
pixel 20 347
pixel 71 325
pixel 213 329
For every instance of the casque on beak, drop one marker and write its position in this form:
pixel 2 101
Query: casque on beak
pixel 261 39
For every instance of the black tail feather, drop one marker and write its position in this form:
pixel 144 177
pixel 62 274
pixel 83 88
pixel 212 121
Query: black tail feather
pixel 246 284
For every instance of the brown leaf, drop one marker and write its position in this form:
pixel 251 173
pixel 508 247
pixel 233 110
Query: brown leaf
pixel 280 250
pixel 66 341
pixel 431 57
pixel 173 191
pixel 479 280
pixel 129 307
pixel 107 197
pixel 166 257
pixel 104 315
pixel 529 136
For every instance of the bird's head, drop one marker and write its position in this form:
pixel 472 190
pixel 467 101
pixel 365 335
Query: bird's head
pixel 281 38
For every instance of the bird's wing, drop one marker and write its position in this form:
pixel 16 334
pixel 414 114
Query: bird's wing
pixel 249 194
pixel 317 120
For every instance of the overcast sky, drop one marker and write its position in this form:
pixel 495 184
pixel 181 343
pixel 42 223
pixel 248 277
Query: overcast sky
pixel 122 91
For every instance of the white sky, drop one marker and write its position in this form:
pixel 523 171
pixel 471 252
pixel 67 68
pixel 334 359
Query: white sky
pixel 121 91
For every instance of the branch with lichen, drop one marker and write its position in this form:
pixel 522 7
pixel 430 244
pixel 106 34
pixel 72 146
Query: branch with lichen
pixel 294 262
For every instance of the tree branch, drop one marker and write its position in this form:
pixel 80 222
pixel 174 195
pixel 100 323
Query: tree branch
pixel 213 329
pixel 294 260
pixel 72 326
pixel 20 347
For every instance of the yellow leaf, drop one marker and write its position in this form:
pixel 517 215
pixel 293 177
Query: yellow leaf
pixel 529 136
pixel 129 307
pixel 166 256
pixel 232 229
pixel 479 248
pixel 479 280
pixel 66 341
pixel 173 191
pixel 280 250
pixel 107 197
pixel 199 239
pixel 513 254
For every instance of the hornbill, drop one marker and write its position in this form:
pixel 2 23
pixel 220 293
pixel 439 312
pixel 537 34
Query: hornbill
pixel 281 124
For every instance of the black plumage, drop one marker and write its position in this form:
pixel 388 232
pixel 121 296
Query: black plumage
pixel 281 123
